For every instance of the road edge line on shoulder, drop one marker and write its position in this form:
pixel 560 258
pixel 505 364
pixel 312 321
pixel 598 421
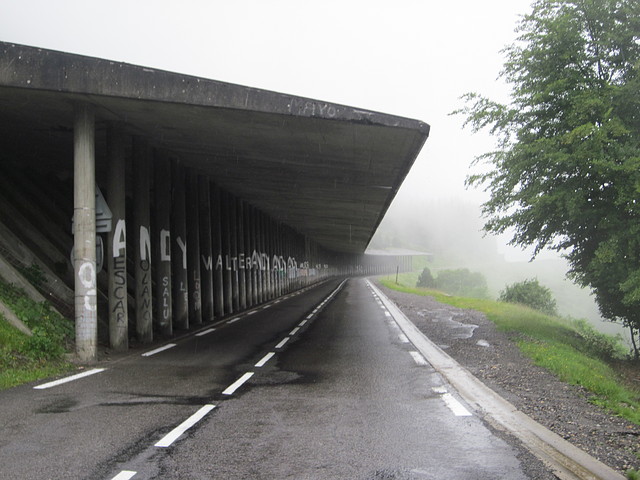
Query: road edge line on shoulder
pixel 567 461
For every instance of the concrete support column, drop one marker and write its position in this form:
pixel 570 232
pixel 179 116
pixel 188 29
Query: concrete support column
pixel 288 257
pixel 218 273
pixel 162 236
pixel 276 259
pixel 193 249
pixel 246 229
pixel 242 277
pixel 253 248
pixel 116 254
pixel 142 239
pixel 179 248
pixel 233 252
pixel 226 253
pixel 267 250
pixel 265 258
pixel 260 248
pixel 270 251
pixel 206 253
pixel 84 225
pixel 273 273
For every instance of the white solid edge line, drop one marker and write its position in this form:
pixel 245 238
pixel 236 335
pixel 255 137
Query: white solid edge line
pixel 265 359
pixel 55 383
pixel 455 406
pixel 158 350
pixel 124 475
pixel 550 447
pixel 282 342
pixel 174 434
pixel 237 384
pixel 419 359
pixel 205 332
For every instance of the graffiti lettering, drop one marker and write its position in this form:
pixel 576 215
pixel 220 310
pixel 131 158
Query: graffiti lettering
pixel 311 108
pixel 183 247
pixel 87 277
pixel 207 262
pixel 145 244
pixel 120 291
pixel 166 298
pixel 119 239
pixel 165 246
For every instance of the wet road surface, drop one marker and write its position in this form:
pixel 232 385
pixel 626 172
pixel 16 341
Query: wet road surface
pixel 322 385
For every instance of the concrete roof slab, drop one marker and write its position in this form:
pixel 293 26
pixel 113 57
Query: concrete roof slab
pixel 328 170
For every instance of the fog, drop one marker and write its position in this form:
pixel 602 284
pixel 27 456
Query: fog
pixel 450 230
pixel 413 58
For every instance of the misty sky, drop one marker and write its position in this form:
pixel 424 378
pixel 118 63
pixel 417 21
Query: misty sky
pixel 412 58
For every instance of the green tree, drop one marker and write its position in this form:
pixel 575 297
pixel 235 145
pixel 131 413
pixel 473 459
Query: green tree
pixel 425 279
pixel 462 282
pixel 532 294
pixel 566 171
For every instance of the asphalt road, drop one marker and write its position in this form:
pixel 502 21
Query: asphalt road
pixel 321 385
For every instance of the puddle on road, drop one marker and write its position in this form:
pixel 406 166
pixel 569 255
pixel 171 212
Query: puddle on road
pixel 400 474
pixel 458 330
pixel 62 405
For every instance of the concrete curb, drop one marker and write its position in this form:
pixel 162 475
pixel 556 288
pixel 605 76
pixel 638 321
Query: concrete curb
pixel 565 460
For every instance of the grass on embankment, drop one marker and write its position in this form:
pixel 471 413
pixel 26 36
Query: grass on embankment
pixel 572 350
pixel 25 358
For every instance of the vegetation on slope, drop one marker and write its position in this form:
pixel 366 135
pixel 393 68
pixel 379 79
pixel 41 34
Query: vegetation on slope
pixel 25 358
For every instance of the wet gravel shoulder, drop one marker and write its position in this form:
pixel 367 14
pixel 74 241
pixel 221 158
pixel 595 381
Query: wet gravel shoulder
pixel 492 356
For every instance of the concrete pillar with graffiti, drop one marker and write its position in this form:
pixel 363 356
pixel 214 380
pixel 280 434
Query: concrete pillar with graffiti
pixel 206 252
pixel 84 224
pixel 193 249
pixel 142 239
pixel 179 248
pixel 162 250
pixel 116 254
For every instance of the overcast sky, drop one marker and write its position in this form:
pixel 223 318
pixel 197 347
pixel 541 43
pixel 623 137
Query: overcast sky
pixel 412 58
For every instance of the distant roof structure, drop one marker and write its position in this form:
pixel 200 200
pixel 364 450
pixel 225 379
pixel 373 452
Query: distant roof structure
pixel 397 252
pixel 330 171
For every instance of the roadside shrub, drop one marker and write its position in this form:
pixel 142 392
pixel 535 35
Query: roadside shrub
pixel 607 347
pixel 462 282
pixel 532 294
pixel 425 279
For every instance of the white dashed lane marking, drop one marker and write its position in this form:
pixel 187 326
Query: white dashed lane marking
pixel 174 434
pixel 237 384
pixel 419 359
pixel 265 359
pixel 450 401
pixel 124 475
pixel 55 383
pixel 205 332
pixel 158 350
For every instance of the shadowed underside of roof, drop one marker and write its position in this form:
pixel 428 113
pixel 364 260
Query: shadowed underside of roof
pixel 327 170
